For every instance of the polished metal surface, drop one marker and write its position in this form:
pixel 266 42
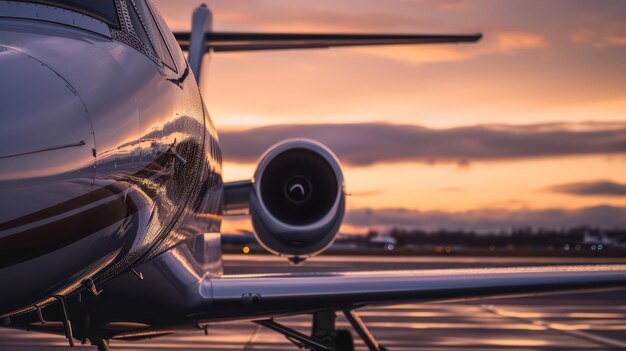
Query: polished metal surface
pixel 178 292
pixel 592 321
pixel 41 12
pixel 90 137
pixel 112 195
pixel 237 197
pixel 308 238
pixel 289 294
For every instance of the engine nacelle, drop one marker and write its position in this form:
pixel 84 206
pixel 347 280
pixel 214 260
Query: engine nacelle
pixel 297 202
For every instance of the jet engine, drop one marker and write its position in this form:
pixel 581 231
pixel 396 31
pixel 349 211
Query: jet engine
pixel 296 198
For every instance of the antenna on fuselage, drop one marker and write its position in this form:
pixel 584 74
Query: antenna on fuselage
pixel 201 24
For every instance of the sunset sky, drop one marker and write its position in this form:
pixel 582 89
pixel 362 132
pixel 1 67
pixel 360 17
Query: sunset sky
pixel 528 127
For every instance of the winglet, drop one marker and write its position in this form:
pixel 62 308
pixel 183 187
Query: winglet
pixel 202 23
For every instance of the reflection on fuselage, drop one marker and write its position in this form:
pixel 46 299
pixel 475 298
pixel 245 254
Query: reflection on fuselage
pixel 138 165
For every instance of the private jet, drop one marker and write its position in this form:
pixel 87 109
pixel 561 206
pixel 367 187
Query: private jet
pixel 112 194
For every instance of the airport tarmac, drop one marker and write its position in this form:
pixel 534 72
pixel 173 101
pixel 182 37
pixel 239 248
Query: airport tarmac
pixel 590 321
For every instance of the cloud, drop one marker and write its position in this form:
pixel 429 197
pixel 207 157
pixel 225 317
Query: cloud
pixel 481 220
pixel 322 20
pixel 488 219
pixel 417 55
pixel 286 16
pixel 600 34
pixel 514 41
pixel 493 43
pixel 454 5
pixel 371 143
pixel 597 188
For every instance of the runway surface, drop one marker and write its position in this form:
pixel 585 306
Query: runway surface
pixel 564 322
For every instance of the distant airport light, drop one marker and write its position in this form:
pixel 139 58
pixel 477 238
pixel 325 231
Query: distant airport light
pixel 246 250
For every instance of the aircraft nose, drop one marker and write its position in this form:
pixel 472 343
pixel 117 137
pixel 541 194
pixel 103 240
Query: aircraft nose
pixel 46 134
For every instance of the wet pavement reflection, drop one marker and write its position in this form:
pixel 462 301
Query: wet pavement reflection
pixel 590 321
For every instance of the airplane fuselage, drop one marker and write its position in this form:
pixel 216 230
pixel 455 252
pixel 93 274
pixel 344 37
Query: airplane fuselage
pixel 111 192
pixel 108 156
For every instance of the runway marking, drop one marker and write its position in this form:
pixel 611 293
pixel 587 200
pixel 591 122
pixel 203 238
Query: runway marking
pixel 406 327
pixel 455 327
pixel 560 327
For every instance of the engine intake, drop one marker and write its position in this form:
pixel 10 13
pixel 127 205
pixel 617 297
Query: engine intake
pixel 297 200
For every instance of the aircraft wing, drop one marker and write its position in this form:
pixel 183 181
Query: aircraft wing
pixel 233 41
pixel 259 296
pixel 175 294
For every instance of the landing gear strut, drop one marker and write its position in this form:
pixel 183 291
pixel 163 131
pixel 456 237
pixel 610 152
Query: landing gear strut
pixel 363 331
pixel 324 335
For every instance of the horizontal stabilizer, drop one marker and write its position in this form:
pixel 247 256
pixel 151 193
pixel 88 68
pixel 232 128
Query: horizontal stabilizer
pixel 234 41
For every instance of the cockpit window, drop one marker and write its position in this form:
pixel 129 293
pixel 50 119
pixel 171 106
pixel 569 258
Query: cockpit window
pixel 103 10
pixel 155 33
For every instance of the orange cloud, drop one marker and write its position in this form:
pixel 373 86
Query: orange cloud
pixel 454 6
pixel 295 19
pixel 446 5
pixel 600 35
pixel 616 41
pixel 419 55
pixel 515 41
pixel 499 43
